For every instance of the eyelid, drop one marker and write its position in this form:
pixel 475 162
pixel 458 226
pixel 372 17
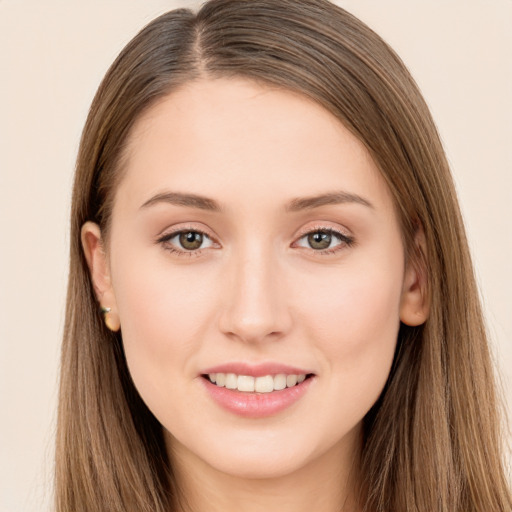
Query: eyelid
pixel 169 233
pixel 346 239
pixel 320 226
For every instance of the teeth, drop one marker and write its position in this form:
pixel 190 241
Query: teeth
pixel 279 382
pixel 245 383
pixel 220 379
pixel 231 381
pixel 291 380
pixel 249 384
pixel 264 384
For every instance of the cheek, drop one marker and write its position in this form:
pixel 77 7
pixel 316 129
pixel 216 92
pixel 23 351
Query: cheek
pixel 164 311
pixel 357 304
pixel 355 322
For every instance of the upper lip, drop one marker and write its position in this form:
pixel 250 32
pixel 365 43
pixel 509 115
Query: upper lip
pixel 256 370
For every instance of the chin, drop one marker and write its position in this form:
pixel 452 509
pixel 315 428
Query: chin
pixel 249 455
pixel 259 466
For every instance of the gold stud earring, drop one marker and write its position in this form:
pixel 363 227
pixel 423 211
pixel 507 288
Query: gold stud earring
pixel 112 323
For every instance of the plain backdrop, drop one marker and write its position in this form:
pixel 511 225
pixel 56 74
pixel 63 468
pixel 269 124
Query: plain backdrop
pixel 53 55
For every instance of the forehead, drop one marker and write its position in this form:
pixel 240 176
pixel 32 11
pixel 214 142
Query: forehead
pixel 230 138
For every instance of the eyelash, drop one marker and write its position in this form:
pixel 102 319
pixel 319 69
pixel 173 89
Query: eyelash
pixel 345 241
pixel 165 241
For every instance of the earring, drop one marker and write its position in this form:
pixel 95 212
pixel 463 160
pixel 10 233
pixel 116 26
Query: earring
pixel 112 323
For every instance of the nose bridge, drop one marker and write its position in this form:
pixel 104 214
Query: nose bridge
pixel 255 308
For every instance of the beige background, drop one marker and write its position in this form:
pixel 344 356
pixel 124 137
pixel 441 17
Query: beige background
pixel 52 57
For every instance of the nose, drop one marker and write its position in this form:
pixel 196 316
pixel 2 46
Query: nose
pixel 255 307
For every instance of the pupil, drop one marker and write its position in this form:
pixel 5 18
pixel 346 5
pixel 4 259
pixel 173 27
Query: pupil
pixel 319 240
pixel 191 240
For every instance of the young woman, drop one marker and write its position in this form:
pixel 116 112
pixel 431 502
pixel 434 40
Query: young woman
pixel 271 302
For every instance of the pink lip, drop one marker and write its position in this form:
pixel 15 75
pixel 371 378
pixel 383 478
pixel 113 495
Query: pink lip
pixel 256 370
pixel 256 405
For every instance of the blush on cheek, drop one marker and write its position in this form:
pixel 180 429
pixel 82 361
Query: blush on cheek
pixel 358 328
pixel 163 320
pixel 362 307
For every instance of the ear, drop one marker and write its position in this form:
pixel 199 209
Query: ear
pixel 415 303
pixel 97 262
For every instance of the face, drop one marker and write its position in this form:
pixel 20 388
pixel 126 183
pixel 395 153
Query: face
pixel 253 243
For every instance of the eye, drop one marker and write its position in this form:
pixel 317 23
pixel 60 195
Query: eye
pixel 324 240
pixel 187 241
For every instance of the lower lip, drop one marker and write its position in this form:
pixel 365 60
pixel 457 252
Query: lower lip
pixel 257 405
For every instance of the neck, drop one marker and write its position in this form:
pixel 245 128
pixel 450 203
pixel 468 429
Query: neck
pixel 325 484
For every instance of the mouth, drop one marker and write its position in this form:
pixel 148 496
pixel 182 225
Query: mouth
pixel 257 390
pixel 258 385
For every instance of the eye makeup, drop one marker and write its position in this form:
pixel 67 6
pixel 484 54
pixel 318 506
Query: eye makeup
pixel 191 241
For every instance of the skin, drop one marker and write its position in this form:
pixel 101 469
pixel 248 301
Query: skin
pixel 258 292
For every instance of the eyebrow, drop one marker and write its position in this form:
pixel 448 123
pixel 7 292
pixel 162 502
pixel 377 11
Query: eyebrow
pixel 295 205
pixel 180 199
pixel 331 198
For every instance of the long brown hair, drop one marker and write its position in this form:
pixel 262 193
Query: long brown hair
pixel 432 441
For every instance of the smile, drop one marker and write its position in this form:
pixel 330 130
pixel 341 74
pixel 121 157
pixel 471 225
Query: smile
pixel 257 396
pixel 250 384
